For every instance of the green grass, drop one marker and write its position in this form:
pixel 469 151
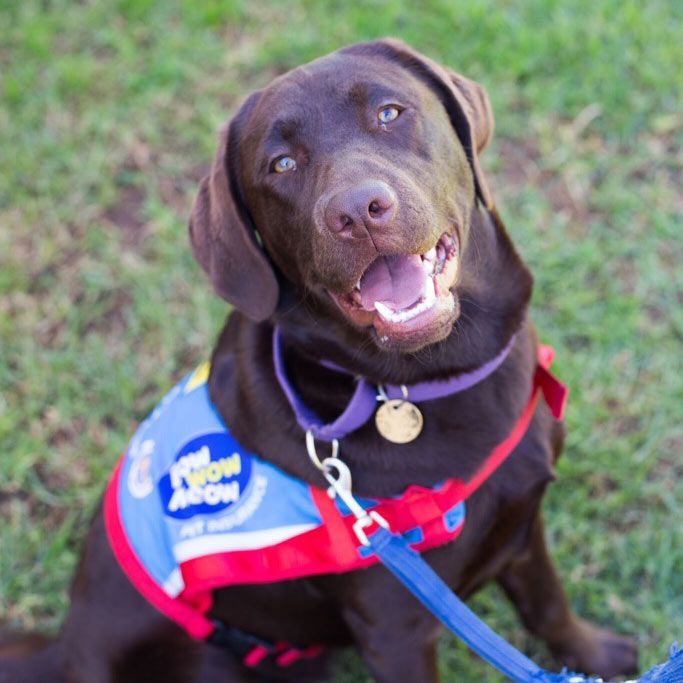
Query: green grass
pixel 108 116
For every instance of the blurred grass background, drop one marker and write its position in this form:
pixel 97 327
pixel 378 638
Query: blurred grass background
pixel 108 118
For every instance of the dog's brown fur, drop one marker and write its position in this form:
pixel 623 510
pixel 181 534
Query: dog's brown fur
pixel 322 114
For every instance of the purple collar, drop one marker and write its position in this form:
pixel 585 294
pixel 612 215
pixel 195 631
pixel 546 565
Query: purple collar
pixel 364 399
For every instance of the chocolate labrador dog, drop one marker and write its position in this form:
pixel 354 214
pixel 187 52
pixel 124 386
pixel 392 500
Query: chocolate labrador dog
pixel 346 206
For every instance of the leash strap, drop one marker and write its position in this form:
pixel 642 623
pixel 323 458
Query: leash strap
pixel 668 672
pixel 419 578
pixel 423 582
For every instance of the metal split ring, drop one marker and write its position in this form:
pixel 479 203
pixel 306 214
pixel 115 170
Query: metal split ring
pixel 383 396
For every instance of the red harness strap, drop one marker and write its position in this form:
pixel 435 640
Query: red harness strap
pixel 425 507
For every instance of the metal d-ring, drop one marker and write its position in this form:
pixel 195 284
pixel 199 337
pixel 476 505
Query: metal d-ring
pixel 312 454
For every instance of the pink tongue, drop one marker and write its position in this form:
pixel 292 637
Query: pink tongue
pixel 397 281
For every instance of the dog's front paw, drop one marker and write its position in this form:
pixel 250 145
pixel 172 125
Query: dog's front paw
pixel 592 650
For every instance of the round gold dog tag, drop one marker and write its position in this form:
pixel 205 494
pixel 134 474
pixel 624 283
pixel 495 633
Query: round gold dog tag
pixel 399 421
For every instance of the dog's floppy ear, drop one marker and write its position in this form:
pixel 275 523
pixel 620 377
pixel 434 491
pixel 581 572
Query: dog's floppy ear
pixel 223 237
pixel 465 101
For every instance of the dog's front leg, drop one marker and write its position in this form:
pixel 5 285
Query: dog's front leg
pixel 534 587
pixel 394 633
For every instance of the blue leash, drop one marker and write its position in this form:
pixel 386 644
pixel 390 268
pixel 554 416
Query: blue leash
pixel 423 582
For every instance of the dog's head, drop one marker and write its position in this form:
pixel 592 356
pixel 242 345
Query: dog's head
pixel 349 183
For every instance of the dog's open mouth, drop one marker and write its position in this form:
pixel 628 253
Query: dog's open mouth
pixel 405 295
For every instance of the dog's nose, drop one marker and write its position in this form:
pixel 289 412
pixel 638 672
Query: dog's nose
pixel 360 210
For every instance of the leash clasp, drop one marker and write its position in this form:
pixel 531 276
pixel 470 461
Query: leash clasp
pixel 360 524
pixel 340 485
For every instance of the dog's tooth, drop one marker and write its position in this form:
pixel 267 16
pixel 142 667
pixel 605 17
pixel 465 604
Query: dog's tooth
pixel 384 311
pixel 430 255
pixel 397 317
pixel 358 285
pixel 428 266
pixel 429 293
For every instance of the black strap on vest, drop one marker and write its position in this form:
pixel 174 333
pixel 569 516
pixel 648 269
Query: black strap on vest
pixel 239 642
pixel 257 653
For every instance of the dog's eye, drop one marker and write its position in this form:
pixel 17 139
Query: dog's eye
pixel 388 114
pixel 283 164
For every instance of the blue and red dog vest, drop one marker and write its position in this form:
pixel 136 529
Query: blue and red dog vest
pixel 189 510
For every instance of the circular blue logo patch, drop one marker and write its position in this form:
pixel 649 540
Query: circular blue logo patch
pixel 209 474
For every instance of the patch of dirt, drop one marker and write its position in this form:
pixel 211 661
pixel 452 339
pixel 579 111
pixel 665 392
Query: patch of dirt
pixel 179 192
pixel 668 469
pixel 10 492
pixel 628 424
pixel 50 333
pixel 600 483
pixel 112 322
pixel 655 314
pixel 521 167
pixel 127 215
pixel 567 165
pixel 561 198
pixel 139 157
pixel 576 342
pixel 175 194
pixel 518 167
pixel 56 479
pixel 670 255
pixel 42 280
pixel 49 516
pixel 627 275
